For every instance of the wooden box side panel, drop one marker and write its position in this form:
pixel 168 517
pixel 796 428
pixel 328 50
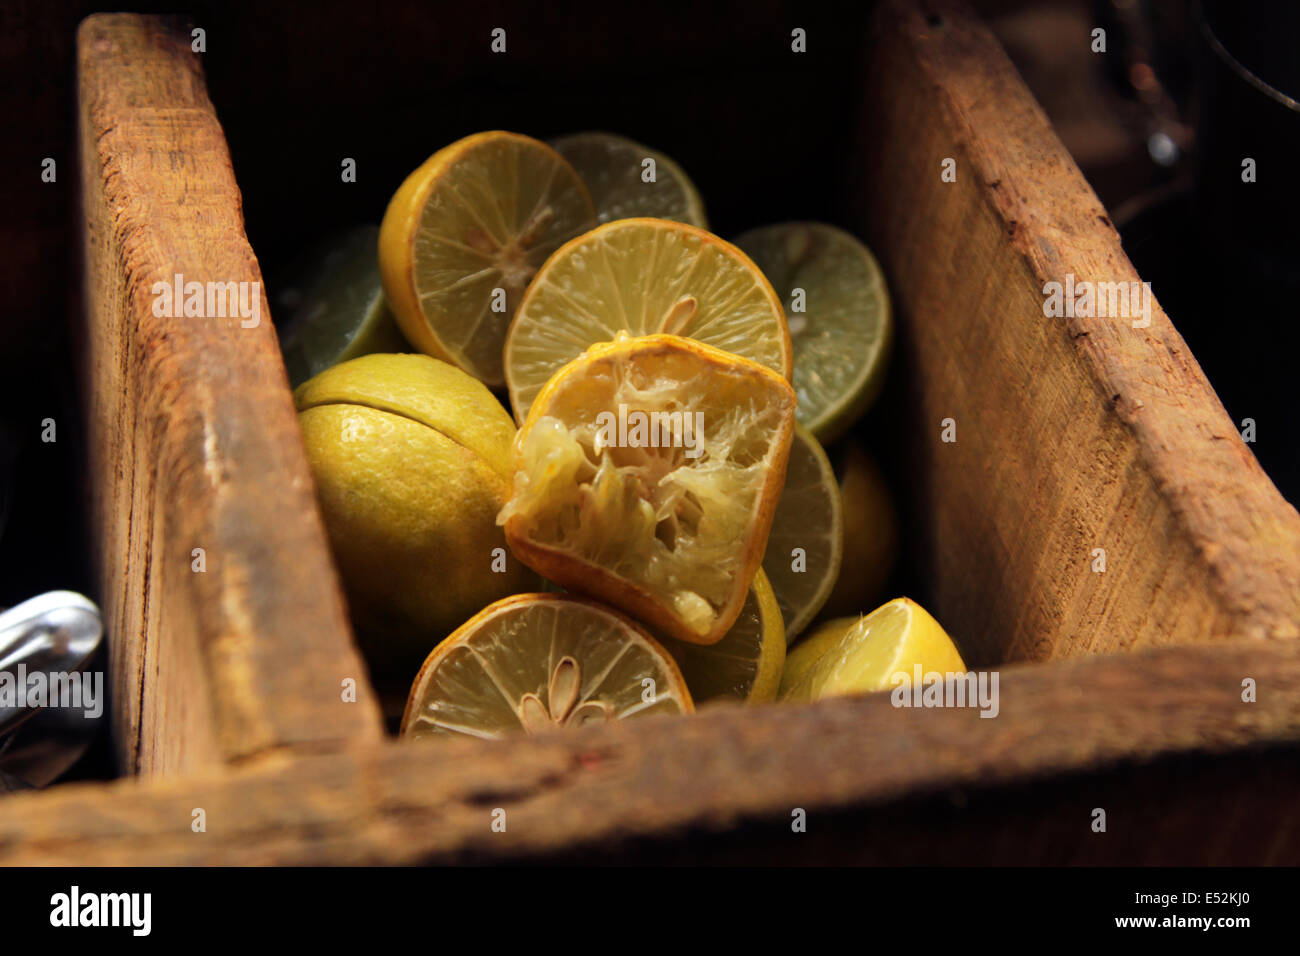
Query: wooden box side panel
pixel 227 626
pixel 1072 434
pixel 663 778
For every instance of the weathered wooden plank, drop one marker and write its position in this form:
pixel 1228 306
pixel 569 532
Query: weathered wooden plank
pixel 1073 434
pixel 194 441
pixel 567 792
pixel 1194 810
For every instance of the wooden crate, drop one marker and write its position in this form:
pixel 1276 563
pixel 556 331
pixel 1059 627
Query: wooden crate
pixel 1120 690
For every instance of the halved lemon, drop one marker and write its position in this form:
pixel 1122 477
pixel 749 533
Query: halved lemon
pixel 860 655
pixel 838 311
pixel 746 664
pixel 804 547
pixel 646 475
pixel 871 533
pixel 642 276
pixel 537 661
pixel 463 236
pixel 627 180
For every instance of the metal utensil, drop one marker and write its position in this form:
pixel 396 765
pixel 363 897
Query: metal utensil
pixel 45 747
pixel 54 633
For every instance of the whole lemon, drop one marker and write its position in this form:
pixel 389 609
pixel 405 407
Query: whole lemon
pixel 412 461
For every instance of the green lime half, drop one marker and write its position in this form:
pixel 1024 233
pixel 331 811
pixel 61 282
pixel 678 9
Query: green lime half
pixel 837 307
pixel 804 548
pixel 628 181
pixel 746 664
pixel 333 306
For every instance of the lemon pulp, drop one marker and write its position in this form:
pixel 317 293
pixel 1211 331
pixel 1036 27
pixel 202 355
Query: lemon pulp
pixel 671 531
pixel 537 661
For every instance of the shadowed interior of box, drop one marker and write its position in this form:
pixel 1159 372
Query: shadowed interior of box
pixel 765 133
pixel 770 135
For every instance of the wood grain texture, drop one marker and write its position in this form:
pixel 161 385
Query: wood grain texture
pixel 665 779
pixel 1072 433
pixel 195 442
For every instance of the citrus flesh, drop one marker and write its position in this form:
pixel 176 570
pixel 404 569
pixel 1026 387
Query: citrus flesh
pixel 860 655
pixel 642 276
pixel 616 171
pixel 463 236
pixel 805 545
pixel 334 307
pixel 841 325
pixel 746 664
pixel 871 533
pixel 411 460
pixel 666 522
pixel 533 662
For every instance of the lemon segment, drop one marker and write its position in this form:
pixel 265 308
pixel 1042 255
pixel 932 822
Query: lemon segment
pixel 463 236
pixel 617 170
pixel 641 277
pixel 861 655
pixel 647 474
pixel 805 545
pixel 746 664
pixel 839 316
pixel 534 662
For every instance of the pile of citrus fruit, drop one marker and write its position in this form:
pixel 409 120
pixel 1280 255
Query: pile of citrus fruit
pixel 654 520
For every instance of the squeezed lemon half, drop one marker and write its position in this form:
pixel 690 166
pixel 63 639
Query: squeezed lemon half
pixel 647 474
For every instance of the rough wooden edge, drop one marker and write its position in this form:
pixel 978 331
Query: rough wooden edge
pixel 1168 452
pixel 193 438
pixel 405 802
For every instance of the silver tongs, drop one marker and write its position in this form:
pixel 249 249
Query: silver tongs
pixel 53 635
